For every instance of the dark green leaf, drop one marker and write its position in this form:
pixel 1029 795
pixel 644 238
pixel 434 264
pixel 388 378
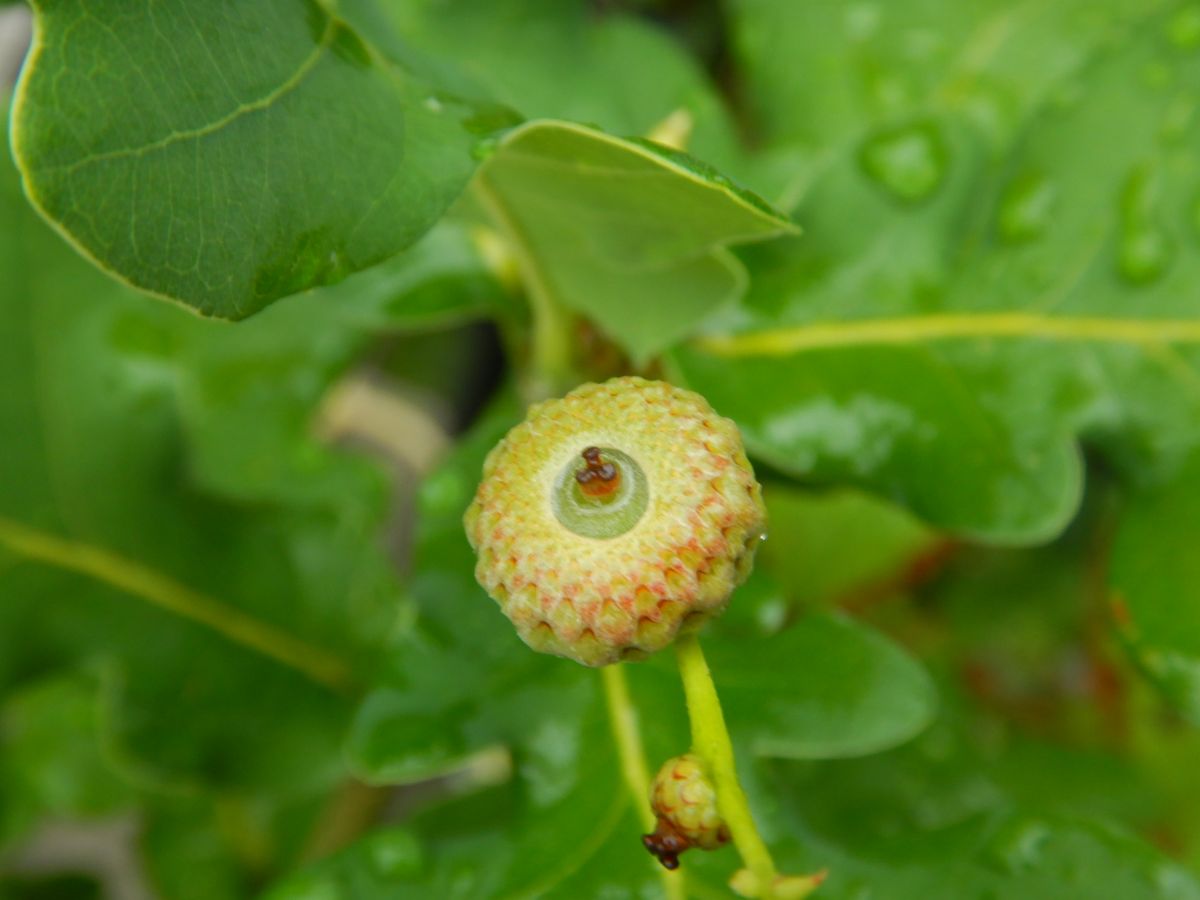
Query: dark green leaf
pixel 825 687
pixel 226 155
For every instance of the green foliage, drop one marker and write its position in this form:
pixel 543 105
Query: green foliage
pixel 629 235
pixel 961 336
pixel 227 155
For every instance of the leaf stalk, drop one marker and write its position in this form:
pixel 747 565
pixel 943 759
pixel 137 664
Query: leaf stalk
pixel 711 742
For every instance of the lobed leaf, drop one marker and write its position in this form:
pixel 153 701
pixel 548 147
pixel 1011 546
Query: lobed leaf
pixel 952 327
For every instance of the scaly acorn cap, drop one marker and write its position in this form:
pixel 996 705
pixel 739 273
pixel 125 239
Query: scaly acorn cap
pixel 685 805
pixel 611 518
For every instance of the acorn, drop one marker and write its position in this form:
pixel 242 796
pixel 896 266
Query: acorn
pixel 613 518
pixel 685 807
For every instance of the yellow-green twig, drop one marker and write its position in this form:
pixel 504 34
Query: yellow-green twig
pixel 953 326
pixel 710 740
pixel 622 716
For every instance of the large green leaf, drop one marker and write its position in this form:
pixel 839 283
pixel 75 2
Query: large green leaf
pixel 225 155
pixel 951 353
pixel 972 810
pixel 835 546
pixel 825 687
pixel 824 77
pixel 628 233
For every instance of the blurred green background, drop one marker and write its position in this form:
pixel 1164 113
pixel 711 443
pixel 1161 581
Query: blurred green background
pixel 242 652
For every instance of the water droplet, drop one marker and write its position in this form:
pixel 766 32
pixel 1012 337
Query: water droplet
pixel 908 162
pixel 433 104
pixel 1145 253
pixel 1184 28
pixel 772 615
pixel 1146 249
pixel 1026 208
pixel 394 853
pixel 485 148
pixel 1018 847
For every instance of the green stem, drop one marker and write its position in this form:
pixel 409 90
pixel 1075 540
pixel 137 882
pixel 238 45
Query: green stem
pixel 551 361
pixel 622 715
pixel 710 740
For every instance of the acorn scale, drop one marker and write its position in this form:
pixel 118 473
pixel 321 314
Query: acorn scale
pixel 614 517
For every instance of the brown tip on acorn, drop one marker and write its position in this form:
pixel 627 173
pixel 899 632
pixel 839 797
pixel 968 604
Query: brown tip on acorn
pixel 600 478
pixel 666 844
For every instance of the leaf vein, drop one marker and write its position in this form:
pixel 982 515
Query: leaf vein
pixel 953 326
pixel 159 590
pixel 307 65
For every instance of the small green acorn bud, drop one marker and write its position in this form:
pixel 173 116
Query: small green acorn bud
pixel 685 805
pixel 611 518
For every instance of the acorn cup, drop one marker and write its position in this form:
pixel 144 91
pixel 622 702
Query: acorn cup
pixel 614 517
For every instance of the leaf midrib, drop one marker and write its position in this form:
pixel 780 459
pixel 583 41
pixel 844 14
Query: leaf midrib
pixel 953 326
pixel 145 583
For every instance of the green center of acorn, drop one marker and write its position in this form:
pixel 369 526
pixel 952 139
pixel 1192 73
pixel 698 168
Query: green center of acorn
pixel 600 494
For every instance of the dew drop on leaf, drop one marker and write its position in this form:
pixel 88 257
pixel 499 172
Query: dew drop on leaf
pixel 908 162
pixel 1145 250
pixel 484 148
pixel 1183 30
pixel 1145 253
pixel 1026 208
